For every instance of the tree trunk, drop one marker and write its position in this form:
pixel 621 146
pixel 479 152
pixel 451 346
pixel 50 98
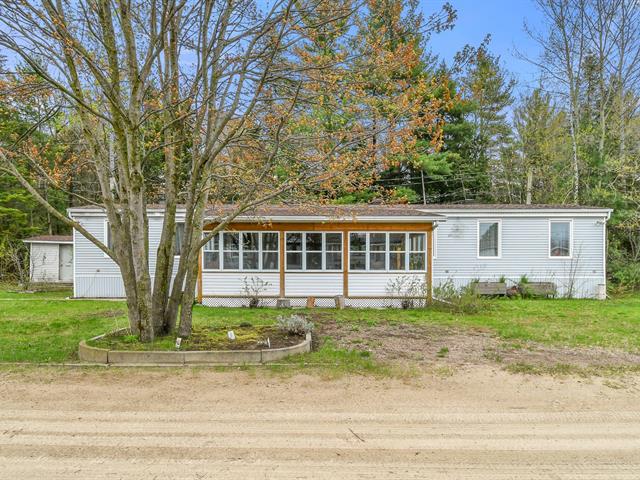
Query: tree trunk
pixel 529 185
pixel 574 160
pixel 186 305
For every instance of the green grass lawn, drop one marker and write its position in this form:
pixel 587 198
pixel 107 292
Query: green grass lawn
pixel 45 327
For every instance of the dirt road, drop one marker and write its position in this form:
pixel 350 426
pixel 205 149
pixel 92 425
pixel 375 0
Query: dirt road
pixel 479 423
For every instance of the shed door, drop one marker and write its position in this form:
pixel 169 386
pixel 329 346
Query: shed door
pixel 66 263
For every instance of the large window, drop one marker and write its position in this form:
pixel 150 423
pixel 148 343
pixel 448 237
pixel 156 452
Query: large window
pixel 488 239
pixel 381 251
pixel 560 238
pixel 242 251
pixel 314 251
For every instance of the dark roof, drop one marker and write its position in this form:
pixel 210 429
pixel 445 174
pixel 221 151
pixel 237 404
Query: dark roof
pixel 330 211
pixel 50 238
pixel 504 206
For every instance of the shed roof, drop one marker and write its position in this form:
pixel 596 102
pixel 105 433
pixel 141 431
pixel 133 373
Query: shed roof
pixel 49 239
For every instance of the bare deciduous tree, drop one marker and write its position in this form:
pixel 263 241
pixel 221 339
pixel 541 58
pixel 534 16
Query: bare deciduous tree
pixel 216 88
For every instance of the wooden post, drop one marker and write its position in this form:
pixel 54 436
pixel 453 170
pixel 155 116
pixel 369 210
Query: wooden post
pixel 429 278
pixel 282 244
pixel 345 263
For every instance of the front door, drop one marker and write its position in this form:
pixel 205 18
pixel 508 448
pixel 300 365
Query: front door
pixel 66 263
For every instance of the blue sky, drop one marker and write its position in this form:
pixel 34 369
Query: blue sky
pixel 503 19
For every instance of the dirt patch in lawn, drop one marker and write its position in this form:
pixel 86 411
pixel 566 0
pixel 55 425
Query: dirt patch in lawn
pixel 429 344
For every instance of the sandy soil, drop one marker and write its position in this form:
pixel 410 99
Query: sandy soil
pixel 424 344
pixel 477 423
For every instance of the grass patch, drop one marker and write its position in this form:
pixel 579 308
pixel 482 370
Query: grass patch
pixel 565 370
pixel 44 327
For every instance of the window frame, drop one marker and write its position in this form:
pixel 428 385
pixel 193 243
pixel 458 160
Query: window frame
pixel 219 251
pixel 323 252
pixel 407 252
pixel 489 220
pixel 560 257
pixel 241 268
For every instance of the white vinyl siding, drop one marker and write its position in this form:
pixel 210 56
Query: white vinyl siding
pixel 524 251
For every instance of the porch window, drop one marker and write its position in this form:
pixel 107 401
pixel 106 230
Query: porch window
pixel 488 239
pixel 270 251
pixel 314 251
pixel 392 251
pixel 417 251
pixel 211 254
pixel 250 251
pixel 231 251
pixel 560 238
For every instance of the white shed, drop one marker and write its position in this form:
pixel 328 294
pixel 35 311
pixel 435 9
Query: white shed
pixel 51 258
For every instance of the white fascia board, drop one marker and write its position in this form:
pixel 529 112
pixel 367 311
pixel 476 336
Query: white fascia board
pixel 66 242
pixel 605 212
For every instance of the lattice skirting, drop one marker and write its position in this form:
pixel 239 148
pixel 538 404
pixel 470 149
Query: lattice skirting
pixel 320 302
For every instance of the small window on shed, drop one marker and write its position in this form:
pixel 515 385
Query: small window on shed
pixel 560 238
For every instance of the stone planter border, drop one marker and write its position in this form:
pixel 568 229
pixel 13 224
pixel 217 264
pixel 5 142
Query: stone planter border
pixel 88 353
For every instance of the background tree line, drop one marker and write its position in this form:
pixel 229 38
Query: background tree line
pixel 429 131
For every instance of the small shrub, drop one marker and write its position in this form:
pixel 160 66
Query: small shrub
pixel 462 300
pixel 253 288
pixel 408 286
pixel 245 325
pixel 294 325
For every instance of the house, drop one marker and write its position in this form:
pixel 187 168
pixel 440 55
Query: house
pixel 51 258
pixel 370 254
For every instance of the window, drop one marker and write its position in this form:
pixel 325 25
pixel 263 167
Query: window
pixel 177 244
pixel 211 254
pixel 333 254
pixel 394 251
pixel 250 250
pixel 489 239
pixel 270 251
pixel 417 251
pixel 560 238
pixel 231 251
pixel 308 251
pixel 242 251
pixel 358 251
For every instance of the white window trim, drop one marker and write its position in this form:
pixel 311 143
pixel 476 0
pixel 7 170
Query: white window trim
pixel 260 251
pixel 489 220
pixel 322 252
pixel 434 243
pixel 558 220
pixel 407 253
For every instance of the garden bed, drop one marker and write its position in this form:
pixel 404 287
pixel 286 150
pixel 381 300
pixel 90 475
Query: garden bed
pixel 206 345
pixel 204 339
